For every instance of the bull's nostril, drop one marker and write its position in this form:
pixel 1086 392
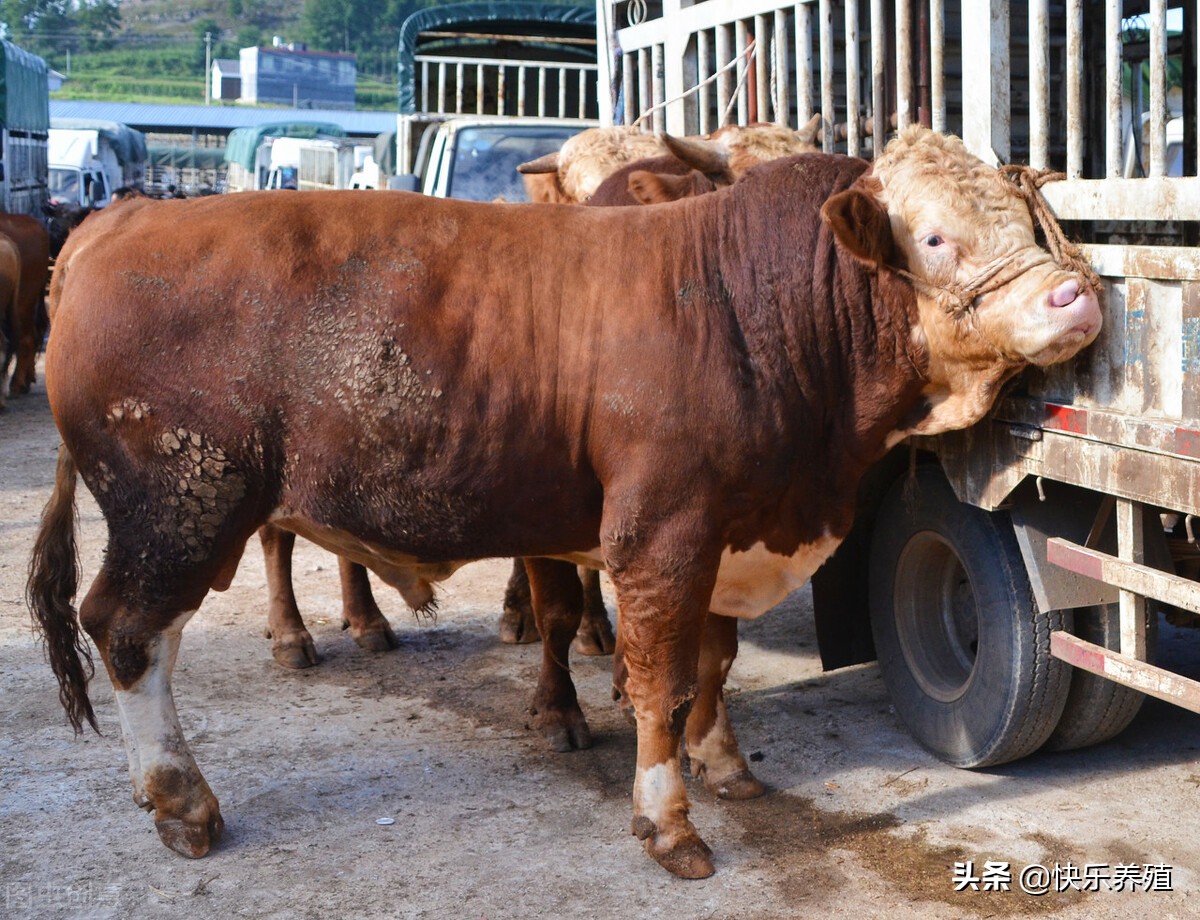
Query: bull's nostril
pixel 1065 294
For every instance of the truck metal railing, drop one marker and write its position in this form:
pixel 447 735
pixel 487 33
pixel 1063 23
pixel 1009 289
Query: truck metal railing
pixel 493 86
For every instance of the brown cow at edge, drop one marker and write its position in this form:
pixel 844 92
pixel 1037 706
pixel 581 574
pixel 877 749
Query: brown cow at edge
pixel 28 323
pixel 10 300
pixel 697 418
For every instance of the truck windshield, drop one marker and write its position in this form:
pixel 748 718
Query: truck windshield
pixel 63 185
pixel 486 158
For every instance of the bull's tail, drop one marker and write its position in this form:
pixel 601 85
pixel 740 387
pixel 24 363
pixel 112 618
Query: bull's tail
pixel 53 582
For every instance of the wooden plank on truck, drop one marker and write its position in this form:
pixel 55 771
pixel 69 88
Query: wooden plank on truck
pixel 1128 672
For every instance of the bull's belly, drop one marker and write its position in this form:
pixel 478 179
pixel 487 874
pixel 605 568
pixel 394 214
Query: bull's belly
pixel 749 582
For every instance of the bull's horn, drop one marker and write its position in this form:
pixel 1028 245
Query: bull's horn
pixel 706 156
pixel 546 164
pixel 808 134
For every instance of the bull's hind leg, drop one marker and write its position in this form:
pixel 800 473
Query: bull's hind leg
pixel 139 650
pixel 517 623
pixel 558 605
pixel 291 643
pixel 595 634
pixel 711 744
pixel 360 614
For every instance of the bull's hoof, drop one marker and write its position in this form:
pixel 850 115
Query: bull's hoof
pixel 517 626
pixel 295 650
pixel 190 839
pixel 381 639
pixel 595 637
pixel 565 730
pixel 735 787
pixel 684 855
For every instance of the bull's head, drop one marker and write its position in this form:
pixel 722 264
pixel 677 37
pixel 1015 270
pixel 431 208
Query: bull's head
pixel 990 299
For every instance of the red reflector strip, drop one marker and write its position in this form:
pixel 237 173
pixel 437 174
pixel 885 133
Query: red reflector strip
pixel 1064 418
pixel 1187 442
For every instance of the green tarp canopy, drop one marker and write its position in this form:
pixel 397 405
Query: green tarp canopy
pixel 129 143
pixel 24 90
pixel 543 20
pixel 244 142
pixel 385 152
pixel 181 156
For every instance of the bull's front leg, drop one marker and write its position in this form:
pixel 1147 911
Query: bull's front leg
pixel 558 605
pixel 711 744
pixel 664 582
pixel 140 660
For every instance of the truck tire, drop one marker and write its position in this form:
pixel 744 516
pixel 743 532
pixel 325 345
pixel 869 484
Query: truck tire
pixel 962 647
pixel 1098 709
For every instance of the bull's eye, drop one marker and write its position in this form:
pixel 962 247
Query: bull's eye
pixel 933 241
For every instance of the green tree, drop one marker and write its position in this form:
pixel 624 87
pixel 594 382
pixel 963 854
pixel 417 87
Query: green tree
pixel 40 25
pixel 98 21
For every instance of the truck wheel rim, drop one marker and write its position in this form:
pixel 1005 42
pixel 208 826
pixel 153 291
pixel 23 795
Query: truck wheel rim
pixel 937 617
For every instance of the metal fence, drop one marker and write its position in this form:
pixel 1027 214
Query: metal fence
pixel 1099 89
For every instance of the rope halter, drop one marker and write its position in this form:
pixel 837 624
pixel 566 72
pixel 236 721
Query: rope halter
pixel 959 299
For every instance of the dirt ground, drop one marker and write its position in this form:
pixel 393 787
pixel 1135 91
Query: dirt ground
pixel 859 822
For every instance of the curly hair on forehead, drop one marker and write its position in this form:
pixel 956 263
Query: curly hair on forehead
pixel 918 153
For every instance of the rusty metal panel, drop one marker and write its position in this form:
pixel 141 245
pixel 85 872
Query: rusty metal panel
pixel 1190 353
pixel 937 63
pixel 1039 84
pixel 1125 199
pixel 879 107
pixel 853 141
pixel 804 63
pixel 1112 88
pixel 828 115
pixel 904 63
pixel 1074 78
pixel 1158 88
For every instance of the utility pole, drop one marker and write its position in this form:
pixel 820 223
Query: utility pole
pixel 207 67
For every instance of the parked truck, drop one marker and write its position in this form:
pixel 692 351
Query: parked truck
pixel 252 163
pixel 89 159
pixel 24 131
pixel 1012 578
pixel 485 86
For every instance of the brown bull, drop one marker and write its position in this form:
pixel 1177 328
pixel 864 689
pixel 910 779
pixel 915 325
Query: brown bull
pixel 688 394
pixel 28 318
pixel 10 299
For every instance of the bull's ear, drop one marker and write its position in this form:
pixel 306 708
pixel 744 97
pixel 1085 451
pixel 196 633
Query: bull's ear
pixel 860 224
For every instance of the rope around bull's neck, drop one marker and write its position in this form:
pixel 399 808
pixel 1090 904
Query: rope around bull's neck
pixel 959 299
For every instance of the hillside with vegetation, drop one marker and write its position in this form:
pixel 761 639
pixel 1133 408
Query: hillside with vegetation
pixel 155 50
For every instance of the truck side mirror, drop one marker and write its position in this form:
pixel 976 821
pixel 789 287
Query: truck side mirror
pixel 407 182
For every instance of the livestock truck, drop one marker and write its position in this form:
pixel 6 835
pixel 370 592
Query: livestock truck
pixel 253 163
pixel 1010 578
pixel 89 159
pixel 486 86
pixel 24 131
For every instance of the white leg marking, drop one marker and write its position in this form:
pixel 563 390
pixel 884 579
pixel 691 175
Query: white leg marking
pixel 153 737
pixel 659 794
